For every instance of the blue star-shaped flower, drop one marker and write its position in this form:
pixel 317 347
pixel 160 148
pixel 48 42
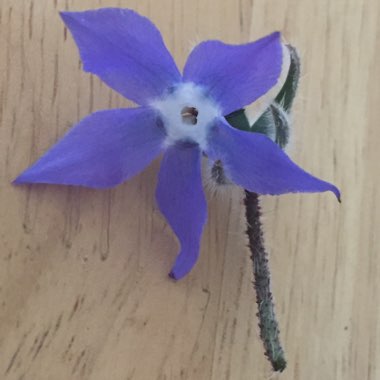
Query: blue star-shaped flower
pixel 180 115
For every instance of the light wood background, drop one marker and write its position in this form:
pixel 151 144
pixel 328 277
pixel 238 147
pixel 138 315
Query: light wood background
pixel 83 286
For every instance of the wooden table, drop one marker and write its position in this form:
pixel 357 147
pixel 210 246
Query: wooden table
pixel 83 287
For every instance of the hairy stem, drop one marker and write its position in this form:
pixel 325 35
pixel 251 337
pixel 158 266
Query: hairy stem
pixel 269 330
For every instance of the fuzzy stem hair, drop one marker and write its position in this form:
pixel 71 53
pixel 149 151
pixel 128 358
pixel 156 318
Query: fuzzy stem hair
pixel 269 329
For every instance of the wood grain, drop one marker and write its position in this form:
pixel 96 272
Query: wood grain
pixel 83 286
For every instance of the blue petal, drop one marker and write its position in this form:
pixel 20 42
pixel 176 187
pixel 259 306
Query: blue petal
pixel 256 163
pixel 103 150
pixel 181 200
pixel 125 50
pixel 236 75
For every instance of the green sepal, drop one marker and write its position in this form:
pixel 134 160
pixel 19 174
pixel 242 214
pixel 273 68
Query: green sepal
pixel 282 125
pixel 264 124
pixel 274 123
pixel 238 120
pixel 288 92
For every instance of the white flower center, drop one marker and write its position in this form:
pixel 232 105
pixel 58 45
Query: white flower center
pixel 187 114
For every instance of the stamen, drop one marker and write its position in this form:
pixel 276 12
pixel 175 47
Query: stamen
pixel 189 115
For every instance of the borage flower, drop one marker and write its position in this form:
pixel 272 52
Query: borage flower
pixel 179 115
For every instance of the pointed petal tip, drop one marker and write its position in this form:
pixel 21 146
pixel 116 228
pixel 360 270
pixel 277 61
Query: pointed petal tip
pixel 337 193
pixel 328 186
pixel 66 15
pixel 172 275
pixel 177 274
pixel 25 178
pixel 69 18
pixel 183 266
pixel 276 35
pixel 19 180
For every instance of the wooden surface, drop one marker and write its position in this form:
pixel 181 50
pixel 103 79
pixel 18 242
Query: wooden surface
pixel 83 286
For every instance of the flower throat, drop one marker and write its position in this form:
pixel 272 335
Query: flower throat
pixel 189 115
